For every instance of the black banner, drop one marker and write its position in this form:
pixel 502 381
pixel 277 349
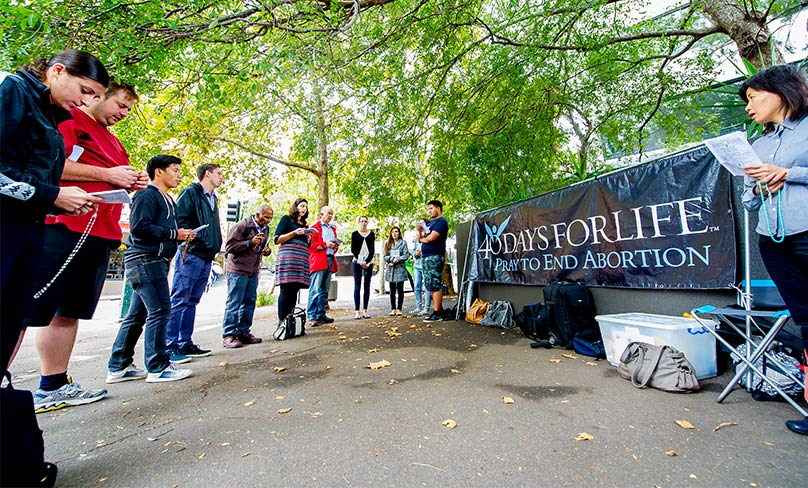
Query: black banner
pixel 666 224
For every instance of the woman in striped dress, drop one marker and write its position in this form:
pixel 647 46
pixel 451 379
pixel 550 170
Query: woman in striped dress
pixel 292 261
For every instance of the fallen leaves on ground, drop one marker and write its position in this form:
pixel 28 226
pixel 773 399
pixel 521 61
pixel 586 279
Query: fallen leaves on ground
pixel 724 424
pixel 371 351
pixel 279 369
pixel 379 364
pixel 413 326
pixel 507 400
pixel 671 453
pixel 569 356
pixel 583 436
pixel 556 361
pixel 449 424
pixel 285 410
pixel 224 364
pixel 279 397
pixel 250 403
pixel 591 363
pixel 685 424
pixel 454 371
pixel 436 334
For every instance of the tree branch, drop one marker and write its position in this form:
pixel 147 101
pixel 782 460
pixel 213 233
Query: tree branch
pixel 270 157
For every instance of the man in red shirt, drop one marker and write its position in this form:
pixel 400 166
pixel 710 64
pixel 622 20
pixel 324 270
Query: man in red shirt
pixel 97 161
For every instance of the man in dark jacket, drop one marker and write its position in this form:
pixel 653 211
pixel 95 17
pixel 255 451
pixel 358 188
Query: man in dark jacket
pixel 152 242
pixel 246 244
pixel 197 206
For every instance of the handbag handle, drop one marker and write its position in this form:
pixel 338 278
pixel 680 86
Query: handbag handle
pixel 648 371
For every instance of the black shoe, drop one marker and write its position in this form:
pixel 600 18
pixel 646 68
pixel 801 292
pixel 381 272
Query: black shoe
pixel 194 351
pixel 433 317
pixel 326 320
pixel 798 426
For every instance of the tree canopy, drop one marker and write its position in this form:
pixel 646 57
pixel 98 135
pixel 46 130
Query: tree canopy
pixel 380 105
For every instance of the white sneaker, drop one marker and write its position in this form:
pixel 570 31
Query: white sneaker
pixel 129 373
pixel 171 373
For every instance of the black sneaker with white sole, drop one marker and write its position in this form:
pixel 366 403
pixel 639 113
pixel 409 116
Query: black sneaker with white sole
pixel 433 317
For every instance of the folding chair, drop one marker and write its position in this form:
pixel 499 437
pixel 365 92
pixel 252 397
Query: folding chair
pixel 755 349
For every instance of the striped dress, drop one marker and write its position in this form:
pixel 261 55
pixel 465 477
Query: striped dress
pixel 292 258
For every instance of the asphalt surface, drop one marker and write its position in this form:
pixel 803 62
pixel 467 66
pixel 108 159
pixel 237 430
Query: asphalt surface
pixel 350 426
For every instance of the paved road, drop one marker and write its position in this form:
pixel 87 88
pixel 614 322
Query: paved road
pixel 351 426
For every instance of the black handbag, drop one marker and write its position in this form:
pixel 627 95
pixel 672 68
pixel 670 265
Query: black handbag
pixel 293 325
pixel 22 446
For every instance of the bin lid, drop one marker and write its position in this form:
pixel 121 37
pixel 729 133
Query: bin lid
pixel 639 319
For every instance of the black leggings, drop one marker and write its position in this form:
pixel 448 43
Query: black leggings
pixel 360 273
pixel 787 264
pixel 396 288
pixel 287 299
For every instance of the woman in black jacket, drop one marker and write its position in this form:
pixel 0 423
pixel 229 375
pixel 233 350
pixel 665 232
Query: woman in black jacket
pixel 363 248
pixel 32 155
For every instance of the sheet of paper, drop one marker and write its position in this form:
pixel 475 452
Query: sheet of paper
pixel 310 230
pixel 395 254
pixel 337 241
pixel 201 227
pixel 76 153
pixel 113 196
pixel 733 151
pixel 424 229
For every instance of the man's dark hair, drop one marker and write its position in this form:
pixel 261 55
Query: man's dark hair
pixel 161 161
pixel 76 63
pixel 204 168
pixel 435 203
pixel 788 82
pixel 115 87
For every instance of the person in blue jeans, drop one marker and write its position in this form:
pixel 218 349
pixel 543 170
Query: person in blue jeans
pixel 246 244
pixel 323 248
pixel 152 242
pixel 197 205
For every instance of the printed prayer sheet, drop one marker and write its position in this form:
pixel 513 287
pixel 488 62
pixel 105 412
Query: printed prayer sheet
pixel 733 151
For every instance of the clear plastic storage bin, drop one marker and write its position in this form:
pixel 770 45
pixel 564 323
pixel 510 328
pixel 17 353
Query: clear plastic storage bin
pixel 685 334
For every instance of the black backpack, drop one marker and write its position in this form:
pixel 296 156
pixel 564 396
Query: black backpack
pixel 570 310
pixel 532 320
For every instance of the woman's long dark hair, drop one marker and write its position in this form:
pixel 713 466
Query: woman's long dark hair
pixel 389 243
pixel 76 63
pixel 788 82
pixel 293 212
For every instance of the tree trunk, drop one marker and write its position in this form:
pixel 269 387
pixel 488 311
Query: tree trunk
pixel 322 146
pixel 748 29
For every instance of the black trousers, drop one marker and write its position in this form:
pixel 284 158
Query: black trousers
pixel 21 250
pixel 396 295
pixel 361 279
pixel 787 264
pixel 287 299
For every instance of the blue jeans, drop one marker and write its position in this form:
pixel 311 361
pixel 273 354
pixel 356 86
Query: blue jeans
pixel 318 292
pixel 420 291
pixel 242 291
pixel 150 308
pixel 190 280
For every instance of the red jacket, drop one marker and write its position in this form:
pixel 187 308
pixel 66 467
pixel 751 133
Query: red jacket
pixel 318 259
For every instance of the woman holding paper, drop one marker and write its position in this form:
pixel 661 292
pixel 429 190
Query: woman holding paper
pixel 363 248
pixel 292 265
pixel 32 154
pixel 777 98
pixel 396 254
